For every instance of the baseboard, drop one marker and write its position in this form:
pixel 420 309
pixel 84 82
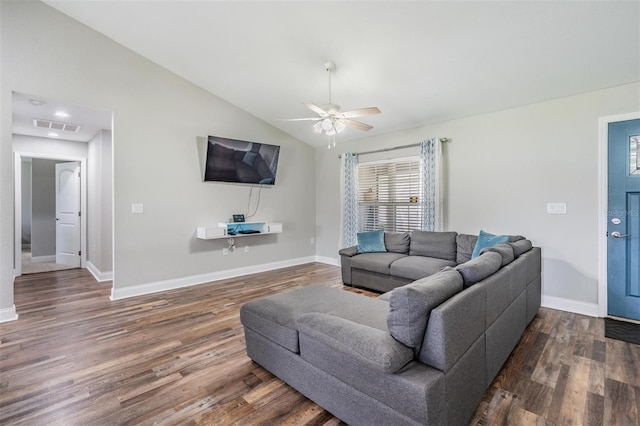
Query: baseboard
pixel 159 286
pixel 99 276
pixel 328 260
pixel 44 259
pixel 8 314
pixel 575 306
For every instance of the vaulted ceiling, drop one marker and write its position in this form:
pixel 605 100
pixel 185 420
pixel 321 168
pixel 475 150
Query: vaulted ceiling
pixel 420 62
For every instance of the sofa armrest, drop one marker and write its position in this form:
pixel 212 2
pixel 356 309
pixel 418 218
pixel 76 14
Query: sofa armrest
pixel 349 251
pixel 345 262
pixel 372 347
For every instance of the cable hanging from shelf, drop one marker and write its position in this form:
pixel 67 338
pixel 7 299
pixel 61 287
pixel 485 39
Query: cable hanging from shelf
pixel 249 215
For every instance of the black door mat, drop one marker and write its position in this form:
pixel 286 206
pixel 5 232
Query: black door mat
pixel 621 330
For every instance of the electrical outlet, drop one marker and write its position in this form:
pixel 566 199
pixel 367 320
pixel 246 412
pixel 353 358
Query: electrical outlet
pixel 246 249
pixel 556 208
pixel 137 208
pixel 225 251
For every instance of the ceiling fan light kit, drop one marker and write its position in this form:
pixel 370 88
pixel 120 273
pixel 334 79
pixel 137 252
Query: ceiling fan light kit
pixel 330 120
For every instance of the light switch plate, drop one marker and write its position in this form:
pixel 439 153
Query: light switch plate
pixel 137 208
pixel 556 208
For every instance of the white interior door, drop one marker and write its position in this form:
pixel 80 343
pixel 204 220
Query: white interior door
pixel 68 213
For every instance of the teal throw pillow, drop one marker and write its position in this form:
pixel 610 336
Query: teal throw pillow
pixel 485 240
pixel 371 242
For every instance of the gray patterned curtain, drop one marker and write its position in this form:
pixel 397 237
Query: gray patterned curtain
pixel 350 201
pixel 430 177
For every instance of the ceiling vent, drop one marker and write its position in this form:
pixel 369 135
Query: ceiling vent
pixel 55 125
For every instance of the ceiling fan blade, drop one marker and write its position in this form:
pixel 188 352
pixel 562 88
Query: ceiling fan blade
pixel 315 108
pixel 357 125
pixel 361 112
pixel 300 119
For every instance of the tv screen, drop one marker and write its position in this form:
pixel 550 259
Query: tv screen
pixel 231 160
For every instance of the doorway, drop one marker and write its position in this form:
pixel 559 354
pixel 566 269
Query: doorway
pixel 37 242
pixel 619 201
pixel 49 131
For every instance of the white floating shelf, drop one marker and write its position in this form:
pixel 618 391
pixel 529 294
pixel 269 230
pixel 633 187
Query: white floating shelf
pixel 238 229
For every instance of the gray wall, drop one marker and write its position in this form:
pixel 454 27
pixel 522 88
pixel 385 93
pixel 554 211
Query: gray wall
pixel 99 217
pixel 59 148
pixel 43 208
pixel 157 120
pixel 501 169
pixel 26 202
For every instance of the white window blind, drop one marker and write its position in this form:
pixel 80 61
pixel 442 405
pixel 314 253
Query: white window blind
pixel 388 195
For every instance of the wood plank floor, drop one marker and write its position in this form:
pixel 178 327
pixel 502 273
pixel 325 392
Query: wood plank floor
pixel 76 358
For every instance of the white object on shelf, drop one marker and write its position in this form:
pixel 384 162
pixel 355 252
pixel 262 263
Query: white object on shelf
pixel 232 229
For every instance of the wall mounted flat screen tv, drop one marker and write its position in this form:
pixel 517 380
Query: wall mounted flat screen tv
pixel 231 160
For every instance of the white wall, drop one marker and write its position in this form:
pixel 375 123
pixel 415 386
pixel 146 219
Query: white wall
pixel 157 120
pixel 501 170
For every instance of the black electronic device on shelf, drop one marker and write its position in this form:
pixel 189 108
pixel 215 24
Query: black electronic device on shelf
pixel 248 231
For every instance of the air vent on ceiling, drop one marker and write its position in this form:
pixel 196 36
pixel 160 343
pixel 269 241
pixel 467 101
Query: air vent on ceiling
pixel 55 125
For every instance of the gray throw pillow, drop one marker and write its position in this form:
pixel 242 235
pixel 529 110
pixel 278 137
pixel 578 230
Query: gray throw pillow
pixel 503 249
pixel 480 267
pixel 520 246
pixel 465 243
pixel 397 242
pixel 410 305
pixel 441 245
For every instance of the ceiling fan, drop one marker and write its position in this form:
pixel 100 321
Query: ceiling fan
pixel 330 119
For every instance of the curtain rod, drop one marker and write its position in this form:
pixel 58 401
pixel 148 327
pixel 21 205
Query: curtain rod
pixel 392 149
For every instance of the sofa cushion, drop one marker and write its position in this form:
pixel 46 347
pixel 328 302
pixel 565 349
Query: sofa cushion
pixel 416 267
pixel 343 338
pixel 486 239
pixel 397 242
pixel 465 243
pixel 441 245
pixel 385 296
pixel 503 249
pixel 275 316
pixel 371 242
pixel 479 268
pixel 410 305
pixel 520 246
pixel 375 262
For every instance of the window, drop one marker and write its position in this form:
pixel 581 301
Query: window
pixel 388 195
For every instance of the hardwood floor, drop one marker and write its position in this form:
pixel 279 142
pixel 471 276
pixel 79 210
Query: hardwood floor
pixel 76 358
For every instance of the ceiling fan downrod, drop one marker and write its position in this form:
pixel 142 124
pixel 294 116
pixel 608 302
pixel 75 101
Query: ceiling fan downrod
pixel 330 67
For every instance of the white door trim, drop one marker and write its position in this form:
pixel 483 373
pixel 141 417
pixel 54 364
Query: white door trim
pixel 603 195
pixel 17 219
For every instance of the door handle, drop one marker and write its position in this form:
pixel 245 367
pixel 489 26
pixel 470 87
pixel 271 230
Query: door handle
pixel 616 234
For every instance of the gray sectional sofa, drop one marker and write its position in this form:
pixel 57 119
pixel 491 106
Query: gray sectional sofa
pixel 409 257
pixel 421 354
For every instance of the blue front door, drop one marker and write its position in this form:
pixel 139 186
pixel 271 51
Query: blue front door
pixel 623 217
